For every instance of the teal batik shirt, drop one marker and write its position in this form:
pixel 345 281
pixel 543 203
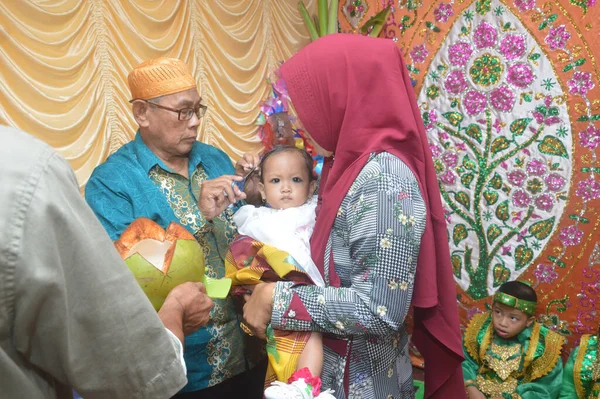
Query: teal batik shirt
pixel 133 183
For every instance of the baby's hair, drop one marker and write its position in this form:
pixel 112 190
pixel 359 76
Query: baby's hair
pixel 288 148
pixel 519 290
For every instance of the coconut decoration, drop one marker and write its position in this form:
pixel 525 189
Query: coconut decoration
pixel 162 259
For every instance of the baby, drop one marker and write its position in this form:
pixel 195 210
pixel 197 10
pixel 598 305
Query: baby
pixel 286 222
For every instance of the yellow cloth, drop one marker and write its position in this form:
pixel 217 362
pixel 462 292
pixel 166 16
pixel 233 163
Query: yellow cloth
pixel 250 262
pixel 159 77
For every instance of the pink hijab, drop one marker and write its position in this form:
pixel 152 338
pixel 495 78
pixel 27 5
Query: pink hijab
pixel 354 96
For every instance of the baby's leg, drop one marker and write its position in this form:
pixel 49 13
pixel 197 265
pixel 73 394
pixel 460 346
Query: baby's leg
pixel 312 355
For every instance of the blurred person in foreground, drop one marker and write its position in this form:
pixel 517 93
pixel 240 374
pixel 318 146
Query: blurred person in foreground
pixel 72 316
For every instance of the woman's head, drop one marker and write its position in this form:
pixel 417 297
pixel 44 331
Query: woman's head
pixel 345 91
pixel 286 177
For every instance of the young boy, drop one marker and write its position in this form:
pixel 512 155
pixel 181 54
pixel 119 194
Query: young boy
pixel 581 377
pixel 507 353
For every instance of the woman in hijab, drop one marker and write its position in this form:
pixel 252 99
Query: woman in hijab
pixel 380 237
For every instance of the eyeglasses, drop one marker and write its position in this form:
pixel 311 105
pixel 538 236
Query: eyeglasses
pixel 184 114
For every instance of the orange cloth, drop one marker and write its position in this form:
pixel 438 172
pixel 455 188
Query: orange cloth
pixel 159 77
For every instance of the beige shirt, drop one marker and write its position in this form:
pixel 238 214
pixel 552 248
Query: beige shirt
pixel 71 313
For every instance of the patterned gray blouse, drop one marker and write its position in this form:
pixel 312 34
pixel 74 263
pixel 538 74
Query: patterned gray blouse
pixel 375 244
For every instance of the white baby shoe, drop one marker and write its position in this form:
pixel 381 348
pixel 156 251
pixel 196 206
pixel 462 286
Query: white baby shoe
pixel 295 390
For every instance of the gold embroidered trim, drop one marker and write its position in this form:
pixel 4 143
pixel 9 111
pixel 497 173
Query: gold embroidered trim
pixel 470 383
pixel 583 347
pixel 493 389
pixel 545 363
pixel 507 363
pixel 471 335
pixel 533 344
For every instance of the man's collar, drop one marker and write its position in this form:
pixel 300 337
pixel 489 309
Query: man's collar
pixel 148 159
pixel 145 156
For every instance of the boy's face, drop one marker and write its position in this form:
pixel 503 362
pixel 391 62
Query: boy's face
pixel 286 182
pixel 509 322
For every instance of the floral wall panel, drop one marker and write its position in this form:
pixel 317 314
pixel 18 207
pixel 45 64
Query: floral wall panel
pixel 509 96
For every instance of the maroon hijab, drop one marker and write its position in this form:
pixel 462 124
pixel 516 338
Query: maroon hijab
pixel 354 96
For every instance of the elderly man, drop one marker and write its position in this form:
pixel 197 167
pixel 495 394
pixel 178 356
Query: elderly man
pixel 71 313
pixel 166 175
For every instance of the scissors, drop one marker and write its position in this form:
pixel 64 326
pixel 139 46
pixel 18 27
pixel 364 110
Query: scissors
pixel 240 184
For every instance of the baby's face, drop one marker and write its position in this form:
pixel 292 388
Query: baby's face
pixel 285 180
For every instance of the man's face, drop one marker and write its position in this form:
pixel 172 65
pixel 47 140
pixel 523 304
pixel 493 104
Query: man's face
pixel 167 136
pixel 509 322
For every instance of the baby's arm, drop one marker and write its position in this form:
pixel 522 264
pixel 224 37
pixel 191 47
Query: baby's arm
pixel 312 355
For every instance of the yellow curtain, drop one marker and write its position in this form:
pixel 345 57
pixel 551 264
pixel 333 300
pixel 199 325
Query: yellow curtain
pixel 64 66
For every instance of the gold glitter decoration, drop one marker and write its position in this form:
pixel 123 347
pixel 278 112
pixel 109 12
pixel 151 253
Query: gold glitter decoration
pixel 507 361
pixel 494 389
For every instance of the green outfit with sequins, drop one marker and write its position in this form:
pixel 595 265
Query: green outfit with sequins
pixel 581 378
pixel 527 366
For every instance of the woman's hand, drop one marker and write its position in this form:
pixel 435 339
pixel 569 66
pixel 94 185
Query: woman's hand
pixel 474 393
pixel 258 308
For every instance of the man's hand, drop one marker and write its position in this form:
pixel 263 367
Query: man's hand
pixel 217 194
pixel 474 393
pixel 246 164
pixel 258 308
pixel 186 309
pixel 243 167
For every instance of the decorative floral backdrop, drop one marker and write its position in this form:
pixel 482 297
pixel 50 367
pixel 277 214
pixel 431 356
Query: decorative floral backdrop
pixel 64 66
pixel 509 95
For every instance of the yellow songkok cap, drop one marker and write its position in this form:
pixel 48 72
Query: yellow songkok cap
pixel 159 77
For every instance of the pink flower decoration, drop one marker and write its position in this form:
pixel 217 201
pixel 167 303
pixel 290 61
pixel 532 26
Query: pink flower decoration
pixel 557 37
pixel 555 182
pixel 497 125
pixel 448 215
pixel 313 381
pixel 419 53
pixel 461 146
pixel 520 75
pixel 521 199
pixel 455 82
pixel 553 120
pixel 443 12
pixel 524 5
pixel 474 102
pixel 580 83
pixel 517 177
pixel 502 99
pixel 544 202
pixel 472 312
pixel 512 46
pixel 536 167
pixel 450 159
pixel 435 150
pixel 545 273
pixel 459 53
pixel 589 189
pixel 570 235
pixel 590 137
pixel 448 178
pixel 485 35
